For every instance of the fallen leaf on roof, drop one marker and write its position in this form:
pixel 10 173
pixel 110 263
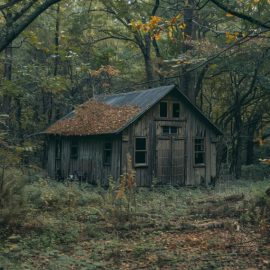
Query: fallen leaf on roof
pixel 92 118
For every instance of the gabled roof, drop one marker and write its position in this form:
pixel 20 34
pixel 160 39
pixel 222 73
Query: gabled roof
pixel 110 114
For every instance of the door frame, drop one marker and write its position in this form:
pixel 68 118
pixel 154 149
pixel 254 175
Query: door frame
pixel 171 138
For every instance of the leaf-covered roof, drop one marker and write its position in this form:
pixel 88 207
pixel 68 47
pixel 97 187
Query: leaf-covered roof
pixel 92 118
pixel 111 114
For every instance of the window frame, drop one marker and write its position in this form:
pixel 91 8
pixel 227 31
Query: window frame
pixel 199 152
pixel 105 149
pixel 170 130
pixel 74 143
pixel 177 103
pixel 141 151
pixel 167 109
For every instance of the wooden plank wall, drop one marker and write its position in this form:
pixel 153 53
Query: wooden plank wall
pixel 90 158
pixel 191 125
pixel 51 157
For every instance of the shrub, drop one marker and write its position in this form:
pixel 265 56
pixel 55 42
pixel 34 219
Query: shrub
pixel 12 197
pixel 120 199
pixel 256 171
pixel 258 213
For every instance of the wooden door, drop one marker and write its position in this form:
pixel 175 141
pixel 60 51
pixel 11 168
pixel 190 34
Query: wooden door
pixel 170 160
pixel 178 161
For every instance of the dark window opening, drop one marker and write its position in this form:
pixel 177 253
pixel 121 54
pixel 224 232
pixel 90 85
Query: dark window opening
pixel 199 151
pixel 140 151
pixel 176 110
pixel 163 109
pixel 167 130
pixel 74 149
pixel 107 156
pixel 58 149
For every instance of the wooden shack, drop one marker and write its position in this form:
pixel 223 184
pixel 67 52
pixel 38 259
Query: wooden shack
pixel 167 137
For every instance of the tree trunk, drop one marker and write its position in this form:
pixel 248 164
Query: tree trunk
pixel 51 113
pixel 159 61
pixel 56 40
pixel 250 151
pixel 8 76
pixel 237 158
pixel 186 78
pixel 148 61
pixel 7 36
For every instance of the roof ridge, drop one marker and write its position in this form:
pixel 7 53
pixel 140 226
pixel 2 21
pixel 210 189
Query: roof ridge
pixel 137 91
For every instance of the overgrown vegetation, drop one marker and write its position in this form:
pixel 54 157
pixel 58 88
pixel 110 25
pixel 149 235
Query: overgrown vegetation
pixel 72 226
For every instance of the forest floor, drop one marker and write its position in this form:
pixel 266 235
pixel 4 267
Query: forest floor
pixel 71 227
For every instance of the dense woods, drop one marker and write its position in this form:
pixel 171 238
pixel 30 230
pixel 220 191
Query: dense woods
pixel 56 54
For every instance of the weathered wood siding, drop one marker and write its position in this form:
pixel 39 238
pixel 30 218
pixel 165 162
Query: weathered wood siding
pixel 190 126
pixel 181 152
pixel 89 162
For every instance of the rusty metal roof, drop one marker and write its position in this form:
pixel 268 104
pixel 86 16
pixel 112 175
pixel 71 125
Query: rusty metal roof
pixel 96 115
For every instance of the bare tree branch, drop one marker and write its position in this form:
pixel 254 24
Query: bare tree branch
pixel 10 31
pixel 240 15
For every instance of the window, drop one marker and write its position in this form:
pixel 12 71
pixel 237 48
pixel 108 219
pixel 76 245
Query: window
pixel 58 149
pixel 176 110
pixel 167 130
pixel 199 151
pixel 107 154
pixel 163 109
pixel 140 151
pixel 74 149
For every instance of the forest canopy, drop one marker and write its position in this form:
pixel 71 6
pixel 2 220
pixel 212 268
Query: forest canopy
pixel 57 54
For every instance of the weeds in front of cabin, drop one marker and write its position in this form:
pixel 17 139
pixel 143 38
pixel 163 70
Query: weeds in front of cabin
pixel 81 227
pixel 119 202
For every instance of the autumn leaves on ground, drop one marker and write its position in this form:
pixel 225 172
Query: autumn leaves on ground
pixel 70 226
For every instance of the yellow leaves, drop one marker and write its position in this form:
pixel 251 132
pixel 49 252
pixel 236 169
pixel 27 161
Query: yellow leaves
pixel 107 70
pixel 213 66
pixel 231 37
pixel 157 36
pixel 228 14
pixel 170 32
pixel 136 25
pixel 148 26
pixel 155 20
pixel 156 26
pixel 182 26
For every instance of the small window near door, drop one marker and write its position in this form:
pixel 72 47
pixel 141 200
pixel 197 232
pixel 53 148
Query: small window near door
pixel 163 109
pixel 176 110
pixel 199 151
pixel 74 149
pixel 169 130
pixel 140 152
pixel 107 154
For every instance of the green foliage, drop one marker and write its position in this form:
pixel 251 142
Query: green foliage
pixel 12 197
pixel 50 195
pixel 159 231
pixel 256 171
pixel 258 213
pixel 119 202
